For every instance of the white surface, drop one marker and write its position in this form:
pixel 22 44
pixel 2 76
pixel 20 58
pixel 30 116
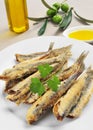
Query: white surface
pixel 76 28
pixel 36 9
pixel 12 117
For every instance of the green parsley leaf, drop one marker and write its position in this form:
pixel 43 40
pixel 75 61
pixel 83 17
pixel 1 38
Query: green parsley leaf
pixel 45 70
pixel 36 86
pixel 53 83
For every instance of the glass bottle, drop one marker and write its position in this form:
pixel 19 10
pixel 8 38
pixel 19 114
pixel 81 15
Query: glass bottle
pixel 17 15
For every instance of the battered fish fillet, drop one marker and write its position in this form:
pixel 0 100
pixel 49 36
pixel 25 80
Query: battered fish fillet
pixel 66 73
pixel 64 105
pixel 82 102
pixel 21 57
pixel 23 92
pixel 79 64
pixel 47 101
pixel 22 71
pixel 40 55
pixel 32 97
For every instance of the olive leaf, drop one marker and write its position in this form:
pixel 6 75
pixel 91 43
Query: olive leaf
pixel 67 20
pixel 37 19
pixel 43 28
pixel 47 5
pixel 81 18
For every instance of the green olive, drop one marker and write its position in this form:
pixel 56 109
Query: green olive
pixel 65 7
pixel 57 18
pixel 57 5
pixel 51 12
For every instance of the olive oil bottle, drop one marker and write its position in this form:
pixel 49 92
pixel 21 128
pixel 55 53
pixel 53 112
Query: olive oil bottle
pixel 17 15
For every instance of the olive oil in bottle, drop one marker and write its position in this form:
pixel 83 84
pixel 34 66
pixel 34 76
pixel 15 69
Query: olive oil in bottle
pixel 17 15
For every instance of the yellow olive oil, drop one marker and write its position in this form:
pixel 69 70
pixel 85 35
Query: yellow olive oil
pixel 17 15
pixel 82 35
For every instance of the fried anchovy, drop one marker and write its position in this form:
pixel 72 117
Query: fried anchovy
pixel 31 97
pixel 22 93
pixel 29 62
pixel 83 100
pixel 76 67
pixel 19 73
pixel 47 101
pixel 51 54
pixel 39 55
pixel 64 105
pixel 66 73
pixel 26 82
pixel 21 57
pixel 79 64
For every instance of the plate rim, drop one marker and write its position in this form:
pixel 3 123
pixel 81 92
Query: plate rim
pixel 19 42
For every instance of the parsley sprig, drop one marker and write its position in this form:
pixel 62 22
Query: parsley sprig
pixel 53 83
pixel 37 86
pixel 45 70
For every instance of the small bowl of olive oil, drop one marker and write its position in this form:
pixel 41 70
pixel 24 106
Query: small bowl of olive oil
pixel 82 33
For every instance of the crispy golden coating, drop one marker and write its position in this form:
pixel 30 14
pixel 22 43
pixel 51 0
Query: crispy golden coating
pixel 64 105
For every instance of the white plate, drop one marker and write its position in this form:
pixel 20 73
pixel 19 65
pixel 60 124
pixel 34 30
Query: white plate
pixel 76 28
pixel 12 117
